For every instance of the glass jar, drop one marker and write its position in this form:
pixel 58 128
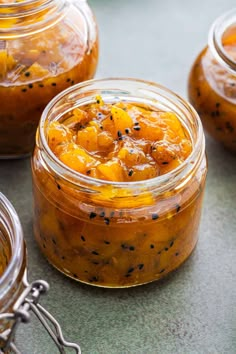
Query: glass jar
pixel 17 297
pixel 117 234
pixel 212 82
pixel 45 47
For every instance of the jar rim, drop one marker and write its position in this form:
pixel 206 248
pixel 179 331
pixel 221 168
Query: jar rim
pixel 16 241
pixel 216 32
pixel 69 174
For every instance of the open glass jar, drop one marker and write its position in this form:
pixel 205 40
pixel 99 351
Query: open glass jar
pixel 17 297
pixel 212 82
pixel 117 234
pixel 45 47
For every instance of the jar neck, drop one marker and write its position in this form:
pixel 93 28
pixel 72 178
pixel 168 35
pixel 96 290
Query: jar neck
pixel 27 16
pixel 219 32
pixel 126 90
pixel 12 234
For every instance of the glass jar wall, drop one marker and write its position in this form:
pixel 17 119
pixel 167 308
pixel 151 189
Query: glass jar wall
pixel 212 82
pixel 45 47
pixel 12 260
pixel 115 234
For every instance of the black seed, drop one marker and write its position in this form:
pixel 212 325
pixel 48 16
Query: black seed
pixel 178 207
pixel 24 90
pixel 27 74
pixel 107 242
pixel 44 246
pixel 58 186
pixel 82 238
pixel 31 86
pixel 130 270
pixel 92 215
pixel 54 84
pixel 130 173
pixel 159 252
pixel 213 114
pixel 54 241
pixel 111 117
pixel 101 127
pixel 140 266
pixel 217 104
pixel 107 221
pixel 177 253
pixel 166 248
pixel 88 172
pixel 232 84
pixel 123 246
pixel 152 246
pixel 119 134
pixel 137 128
pixel 75 275
pixel 86 271
pixel 95 253
pixel 94 279
pixel 155 216
pixel 165 163
pixel 63 257
pixel 162 271
pixel 127 130
pixel 132 248
pixel 128 275
pixel 41 85
pixel 229 126
pixel 198 92
pixel 68 80
pixel 102 214
pixel 112 214
pixel 98 101
pixel 72 82
pixel 96 263
pixel 217 113
pixel 171 244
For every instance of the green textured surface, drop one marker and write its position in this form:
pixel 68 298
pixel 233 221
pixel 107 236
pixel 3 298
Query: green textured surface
pixel 194 310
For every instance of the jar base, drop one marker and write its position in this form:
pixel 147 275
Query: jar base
pixel 161 277
pixel 15 157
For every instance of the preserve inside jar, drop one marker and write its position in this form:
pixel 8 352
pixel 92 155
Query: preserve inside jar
pixel 117 234
pixel 45 47
pixel 212 82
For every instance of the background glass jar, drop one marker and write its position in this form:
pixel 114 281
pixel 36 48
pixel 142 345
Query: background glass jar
pixel 212 82
pixel 45 47
pixel 115 234
pixel 17 297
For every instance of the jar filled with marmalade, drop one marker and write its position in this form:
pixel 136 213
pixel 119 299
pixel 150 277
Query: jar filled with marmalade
pixel 118 178
pixel 212 82
pixel 45 47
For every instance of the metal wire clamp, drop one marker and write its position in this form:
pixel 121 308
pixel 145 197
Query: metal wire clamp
pixel 29 301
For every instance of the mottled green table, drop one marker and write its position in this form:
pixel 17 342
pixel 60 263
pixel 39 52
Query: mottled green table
pixel 194 310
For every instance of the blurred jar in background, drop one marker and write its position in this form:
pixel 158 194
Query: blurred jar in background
pixel 212 82
pixel 45 47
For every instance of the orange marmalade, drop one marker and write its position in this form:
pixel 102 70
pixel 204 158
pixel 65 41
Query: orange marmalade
pixel 118 182
pixel 120 142
pixel 44 49
pixel 212 82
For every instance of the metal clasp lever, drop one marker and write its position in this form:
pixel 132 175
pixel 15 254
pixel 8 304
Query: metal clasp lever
pixel 29 301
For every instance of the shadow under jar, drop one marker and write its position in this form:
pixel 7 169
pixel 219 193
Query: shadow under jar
pixel 45 47
pixel 212 82
pixel 117 234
